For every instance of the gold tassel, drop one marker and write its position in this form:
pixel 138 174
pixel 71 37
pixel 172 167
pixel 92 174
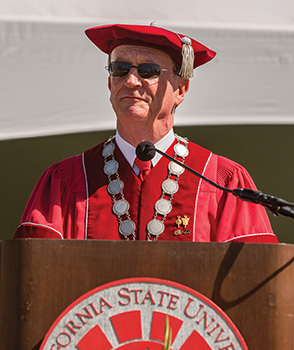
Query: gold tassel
pixel 187 58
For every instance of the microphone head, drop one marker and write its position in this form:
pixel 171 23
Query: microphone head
pixel 145 151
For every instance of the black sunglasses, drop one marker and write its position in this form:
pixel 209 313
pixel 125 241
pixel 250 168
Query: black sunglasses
pixel 145 70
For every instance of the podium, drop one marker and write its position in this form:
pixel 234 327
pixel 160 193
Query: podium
pixel 252 283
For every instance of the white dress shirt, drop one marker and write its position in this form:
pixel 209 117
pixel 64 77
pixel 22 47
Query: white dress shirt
pixel 129 151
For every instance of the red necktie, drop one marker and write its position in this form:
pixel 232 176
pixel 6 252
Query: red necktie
pixel 145 168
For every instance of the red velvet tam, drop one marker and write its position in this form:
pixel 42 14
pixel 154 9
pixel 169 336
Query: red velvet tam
pixel 178 46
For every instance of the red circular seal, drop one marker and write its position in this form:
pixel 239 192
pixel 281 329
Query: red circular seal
pixel 132 314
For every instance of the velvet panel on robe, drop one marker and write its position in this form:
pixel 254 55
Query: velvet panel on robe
pixel 71 200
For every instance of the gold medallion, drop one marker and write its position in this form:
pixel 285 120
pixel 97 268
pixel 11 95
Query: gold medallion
pixel 178 221
pixel 185 221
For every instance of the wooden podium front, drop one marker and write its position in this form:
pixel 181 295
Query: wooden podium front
pixel 252 283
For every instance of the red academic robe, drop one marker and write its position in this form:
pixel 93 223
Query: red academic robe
pixel 71 201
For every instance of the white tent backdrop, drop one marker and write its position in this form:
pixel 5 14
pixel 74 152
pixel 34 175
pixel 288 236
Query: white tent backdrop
pixel 53 79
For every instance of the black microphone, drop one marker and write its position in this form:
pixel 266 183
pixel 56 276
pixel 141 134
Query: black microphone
pixel 146 151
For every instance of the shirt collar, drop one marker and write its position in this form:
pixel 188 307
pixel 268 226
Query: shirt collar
pixel 129 151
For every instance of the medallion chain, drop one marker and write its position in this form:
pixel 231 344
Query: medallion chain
pixel 120 207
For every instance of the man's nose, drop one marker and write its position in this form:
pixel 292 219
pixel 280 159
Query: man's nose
pixel 133 79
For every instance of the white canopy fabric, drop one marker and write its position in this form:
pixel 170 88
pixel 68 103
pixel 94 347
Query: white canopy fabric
pixel 53 79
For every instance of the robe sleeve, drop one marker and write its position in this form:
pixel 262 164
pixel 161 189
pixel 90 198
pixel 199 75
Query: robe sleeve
pixel 238 220
pixel 51 207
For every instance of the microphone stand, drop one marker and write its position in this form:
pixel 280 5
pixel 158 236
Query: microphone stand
pixel 274 204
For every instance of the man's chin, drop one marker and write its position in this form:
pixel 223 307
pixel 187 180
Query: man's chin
pixel 134 113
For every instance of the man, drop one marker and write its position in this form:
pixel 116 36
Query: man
pixel 107 193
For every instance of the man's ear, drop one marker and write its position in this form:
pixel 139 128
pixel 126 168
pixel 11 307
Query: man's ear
pixel 183 88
